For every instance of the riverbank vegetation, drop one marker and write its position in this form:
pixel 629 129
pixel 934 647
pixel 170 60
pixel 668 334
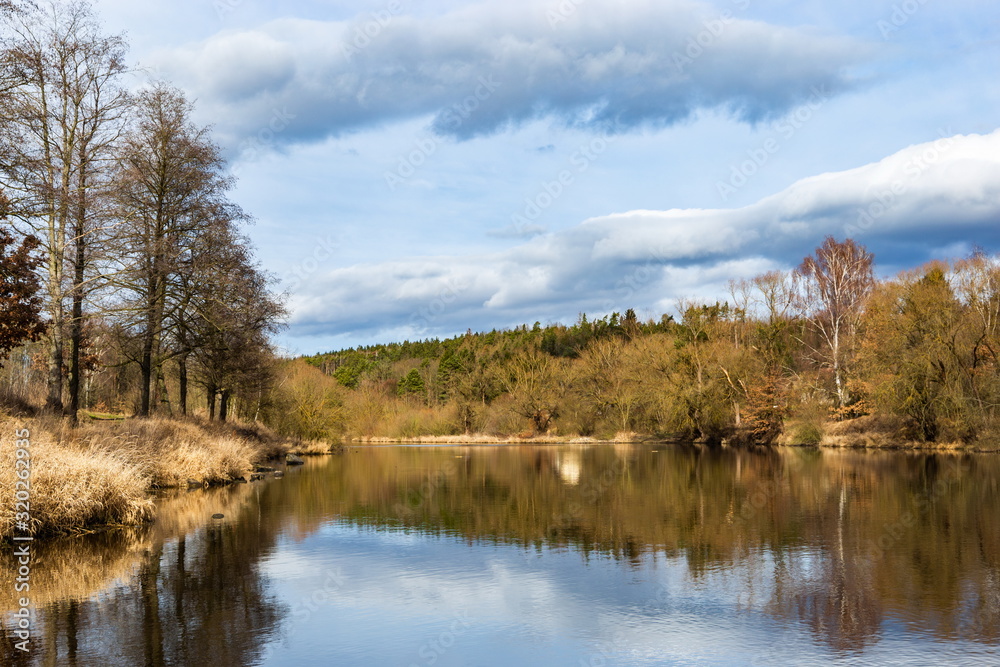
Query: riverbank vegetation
pixel 102 473
pixel 128 287
pixel 825 353
pixel 135 318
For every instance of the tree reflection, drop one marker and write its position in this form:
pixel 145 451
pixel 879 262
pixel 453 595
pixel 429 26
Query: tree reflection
pixel 842 542
pixel 194 599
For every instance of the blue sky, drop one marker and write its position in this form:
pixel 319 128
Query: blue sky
pixel 418 169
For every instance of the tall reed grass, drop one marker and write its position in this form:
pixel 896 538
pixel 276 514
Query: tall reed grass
pixel 102 473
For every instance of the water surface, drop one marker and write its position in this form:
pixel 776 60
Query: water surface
pixel 561 555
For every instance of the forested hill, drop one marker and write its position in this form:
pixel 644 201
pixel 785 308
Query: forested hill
pixel 350 365
pixel 791 354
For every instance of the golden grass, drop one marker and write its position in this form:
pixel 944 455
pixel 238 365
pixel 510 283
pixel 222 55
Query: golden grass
pixel 71 487
pixel 102 472
pixel 311 448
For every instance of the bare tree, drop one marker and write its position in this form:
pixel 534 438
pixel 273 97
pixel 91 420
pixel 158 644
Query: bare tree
pixel 65 107
pixel 171 187
pixel 838 279
pixel 231 314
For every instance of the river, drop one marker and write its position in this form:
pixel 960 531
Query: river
pixel 527 555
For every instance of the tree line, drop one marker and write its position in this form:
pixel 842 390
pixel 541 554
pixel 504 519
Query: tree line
pixel 787 354
pixel 126 273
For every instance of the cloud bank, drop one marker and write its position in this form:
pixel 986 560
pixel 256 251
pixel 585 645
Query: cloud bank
pixel 912 206
pixel 604 65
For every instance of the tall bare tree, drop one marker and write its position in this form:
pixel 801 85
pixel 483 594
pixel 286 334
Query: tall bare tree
pixel 171 187
pixel 65 106
pixel 230 313
pixel 839 276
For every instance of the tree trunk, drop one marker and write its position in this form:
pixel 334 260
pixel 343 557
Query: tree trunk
pixel 76 321
pixel 151 337
pixel 182 376
pixel 163 396
pixel 53 402
pixel 211 404
pixel 146 373
pixel 224 405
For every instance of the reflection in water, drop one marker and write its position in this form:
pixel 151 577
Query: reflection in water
pixel 177 592
pixel 859 549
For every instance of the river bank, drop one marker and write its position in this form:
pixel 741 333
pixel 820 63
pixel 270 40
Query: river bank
pixel 103 472
pixel 860 433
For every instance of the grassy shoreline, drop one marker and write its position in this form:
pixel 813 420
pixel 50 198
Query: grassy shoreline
pixel 104 472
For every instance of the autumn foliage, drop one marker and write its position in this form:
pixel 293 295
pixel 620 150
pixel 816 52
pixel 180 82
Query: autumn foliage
pixel 20 304
pixel 791 356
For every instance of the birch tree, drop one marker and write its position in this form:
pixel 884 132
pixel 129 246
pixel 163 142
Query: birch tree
pixel 838 279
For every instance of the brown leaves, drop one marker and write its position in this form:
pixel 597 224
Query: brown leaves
pixel 20 304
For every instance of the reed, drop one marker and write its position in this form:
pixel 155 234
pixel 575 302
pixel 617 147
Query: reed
pixel 102 472
pixel 71 487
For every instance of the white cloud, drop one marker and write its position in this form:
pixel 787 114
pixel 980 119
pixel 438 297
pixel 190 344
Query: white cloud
pixel 609 66
pixel 908 208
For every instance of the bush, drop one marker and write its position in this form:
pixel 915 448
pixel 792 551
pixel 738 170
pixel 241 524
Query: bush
pixel 807 433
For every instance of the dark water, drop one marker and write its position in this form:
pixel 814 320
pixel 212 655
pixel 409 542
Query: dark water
pixel 582 556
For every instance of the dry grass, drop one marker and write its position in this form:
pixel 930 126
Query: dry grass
pixel 172 452
pixel 102 472
pixel 71 487
pixel 880 432
pixel 312 448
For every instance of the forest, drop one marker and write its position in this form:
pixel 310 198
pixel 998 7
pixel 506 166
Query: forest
pixel 826 352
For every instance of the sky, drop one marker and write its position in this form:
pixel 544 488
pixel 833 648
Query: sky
pixel 419 169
